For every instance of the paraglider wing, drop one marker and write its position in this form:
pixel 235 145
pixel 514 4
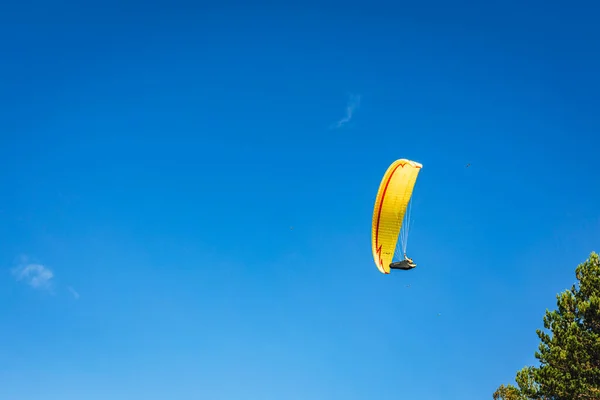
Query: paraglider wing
pixel 392 199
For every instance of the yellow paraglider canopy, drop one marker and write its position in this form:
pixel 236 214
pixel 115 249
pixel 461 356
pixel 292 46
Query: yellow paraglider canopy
pixel 392 200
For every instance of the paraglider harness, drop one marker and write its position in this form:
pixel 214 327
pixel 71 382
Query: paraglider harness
pixel 405 264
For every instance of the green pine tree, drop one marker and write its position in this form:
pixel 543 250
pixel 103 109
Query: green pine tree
pixel 570 354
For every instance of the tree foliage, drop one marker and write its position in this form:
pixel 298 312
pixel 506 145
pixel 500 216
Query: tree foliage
pixel 569 354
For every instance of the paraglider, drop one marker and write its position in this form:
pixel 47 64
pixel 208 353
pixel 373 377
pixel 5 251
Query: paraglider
pixel 405 264
pixel 391 205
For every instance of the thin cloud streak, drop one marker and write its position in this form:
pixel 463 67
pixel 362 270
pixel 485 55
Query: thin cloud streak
pixel 353 104
pixel 73 292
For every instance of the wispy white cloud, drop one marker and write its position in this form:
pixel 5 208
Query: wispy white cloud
pixel 37 276
pixel 73 292
pixel 351 107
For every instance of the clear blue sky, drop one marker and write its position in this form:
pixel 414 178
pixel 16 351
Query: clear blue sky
pixel 153 158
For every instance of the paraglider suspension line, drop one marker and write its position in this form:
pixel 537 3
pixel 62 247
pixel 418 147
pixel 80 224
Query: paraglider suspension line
pixel 405 228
